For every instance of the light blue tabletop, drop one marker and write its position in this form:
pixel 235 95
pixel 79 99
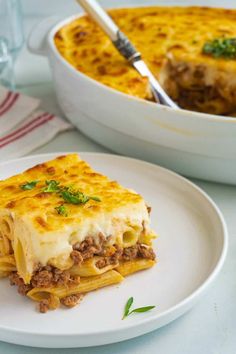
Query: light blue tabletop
pixel 210 327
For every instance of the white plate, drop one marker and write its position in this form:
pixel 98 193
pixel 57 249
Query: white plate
pixel 191 249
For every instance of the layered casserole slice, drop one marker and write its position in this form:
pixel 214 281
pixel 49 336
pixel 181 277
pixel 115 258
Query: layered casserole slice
pixel 174 42
pixel 66 230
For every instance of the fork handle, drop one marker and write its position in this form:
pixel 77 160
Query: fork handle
pixel 101 17
pixel 120 41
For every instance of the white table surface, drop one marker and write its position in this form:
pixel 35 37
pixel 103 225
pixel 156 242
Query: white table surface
pixel 210 327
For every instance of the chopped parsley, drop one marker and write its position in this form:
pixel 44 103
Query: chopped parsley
pixel 52 186
pixel 128 305
pixel 73 196
pixel 96 199
pixel 62 210
pixel 221 47
pixel 68 193
pixel 28 185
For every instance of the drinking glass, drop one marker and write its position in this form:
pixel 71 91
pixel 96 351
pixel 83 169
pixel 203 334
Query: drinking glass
pixel 11 39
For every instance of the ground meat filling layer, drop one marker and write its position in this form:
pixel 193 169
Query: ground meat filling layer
pixel 138 251
pixel 89 248
pixel 127 254
pixel 49 276
pixel 44 277
pixel 189 86
pixel 53 302
pixel 22 287
pixel 72 300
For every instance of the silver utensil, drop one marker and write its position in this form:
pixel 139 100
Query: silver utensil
pixel 126 48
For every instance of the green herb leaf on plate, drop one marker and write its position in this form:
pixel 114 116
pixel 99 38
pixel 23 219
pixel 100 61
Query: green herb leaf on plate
pixel 142 309
pixel 127 307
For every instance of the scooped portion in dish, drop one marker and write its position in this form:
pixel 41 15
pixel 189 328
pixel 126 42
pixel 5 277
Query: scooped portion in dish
pixel 191 50
pixel 66 230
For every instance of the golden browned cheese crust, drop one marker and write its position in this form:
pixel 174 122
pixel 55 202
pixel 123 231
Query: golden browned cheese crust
pixel 68 170
pixel 167 37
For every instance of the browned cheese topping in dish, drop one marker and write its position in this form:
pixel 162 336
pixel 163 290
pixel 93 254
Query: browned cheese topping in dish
pixel 175 43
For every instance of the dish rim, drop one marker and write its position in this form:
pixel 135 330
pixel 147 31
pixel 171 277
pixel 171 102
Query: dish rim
pixel 187 114
pixel 180 305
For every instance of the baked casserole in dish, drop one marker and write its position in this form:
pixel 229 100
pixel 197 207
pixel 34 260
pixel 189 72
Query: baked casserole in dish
pixel 192 52
pixel 173 42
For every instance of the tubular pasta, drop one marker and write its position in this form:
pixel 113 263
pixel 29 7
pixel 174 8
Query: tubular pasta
pixel 6 235
pixel 7 265
pixel 6 226
pixel 21 261
pixel 129 267
pixel 147 238
pixel 86 285
pixel 2 248
pixel 130 238
pixel 3 274
pixel 6 246
pixel 88 268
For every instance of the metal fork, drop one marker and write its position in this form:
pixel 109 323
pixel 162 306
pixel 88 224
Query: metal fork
pixel 126 48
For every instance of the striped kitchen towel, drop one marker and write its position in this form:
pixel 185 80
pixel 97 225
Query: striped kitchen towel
pixel 23 126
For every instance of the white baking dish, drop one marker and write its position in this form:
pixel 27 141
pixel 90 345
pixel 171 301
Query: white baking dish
pixel 195 144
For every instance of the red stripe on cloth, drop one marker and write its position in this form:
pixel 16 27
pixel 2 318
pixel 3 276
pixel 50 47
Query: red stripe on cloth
pixel 6 137
pixel 8 95
pixel 9 104
pixel 45 120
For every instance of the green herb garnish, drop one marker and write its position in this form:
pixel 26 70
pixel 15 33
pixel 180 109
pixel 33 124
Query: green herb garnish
pixel 51 187
pixel 69 194
pixel 29 185
pixel 62 210
pixel 142 309
pixel 74 198
pixel 128 305
pixel 96 199
pixel 221 47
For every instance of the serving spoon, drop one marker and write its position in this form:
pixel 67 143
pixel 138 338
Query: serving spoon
pixel 126 48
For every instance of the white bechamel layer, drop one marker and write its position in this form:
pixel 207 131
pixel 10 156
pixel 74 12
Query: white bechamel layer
pixel 55 247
